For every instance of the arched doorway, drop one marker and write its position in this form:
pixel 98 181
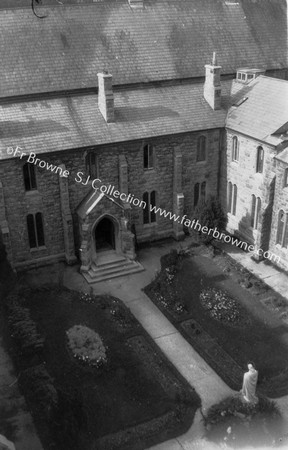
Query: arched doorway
pixel 105 235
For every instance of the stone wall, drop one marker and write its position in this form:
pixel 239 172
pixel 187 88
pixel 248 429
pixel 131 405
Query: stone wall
pixel 47 199
pixel 259 184
pixel 280 202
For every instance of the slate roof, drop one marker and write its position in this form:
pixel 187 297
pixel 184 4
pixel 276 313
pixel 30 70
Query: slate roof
pixel 264 114
pixel 168 39
pixel 283 156
pixel 73 122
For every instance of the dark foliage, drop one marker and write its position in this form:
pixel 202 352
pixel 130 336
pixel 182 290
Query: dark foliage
pixel 210 214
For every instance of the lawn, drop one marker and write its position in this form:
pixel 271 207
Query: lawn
pixel 132 399
pixel 231 329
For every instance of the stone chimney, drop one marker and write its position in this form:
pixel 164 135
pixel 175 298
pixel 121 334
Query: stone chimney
pixel 212 86
pixel 136 4
pixel 105 96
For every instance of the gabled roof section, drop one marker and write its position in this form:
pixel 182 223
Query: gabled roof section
pixel 89 203
pixel 167 39
pixel 53 125
pixel 91 200
pixel 283 156
pixel 264 114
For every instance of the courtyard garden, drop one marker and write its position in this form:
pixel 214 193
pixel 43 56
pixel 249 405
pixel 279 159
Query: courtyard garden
pixel 92 377
pixel 222 311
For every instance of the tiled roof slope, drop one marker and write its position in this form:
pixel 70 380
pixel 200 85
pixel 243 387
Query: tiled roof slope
pixel 168 39
pixel 264 112
pixel 73 122
pixel 283 156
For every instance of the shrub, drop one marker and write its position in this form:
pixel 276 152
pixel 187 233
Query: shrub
pixel 231 406
pixel 86 345
pixel 40 390
pixel 210 214
pixel 240 424
pixel 23 328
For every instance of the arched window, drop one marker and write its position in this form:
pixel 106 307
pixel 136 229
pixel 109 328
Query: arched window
pixel 260 160
pixel 29 177
pixel 146 209
pixel 280 227
pixel 91 161
pixel 201 149
pixel 231 198
pixel 35 230
pixel 199 192
pixel 235 149
pixel 234 203
pixel 149 215
pixel 285 183
pixel 255 211
pixel 148 156
pixel 203 191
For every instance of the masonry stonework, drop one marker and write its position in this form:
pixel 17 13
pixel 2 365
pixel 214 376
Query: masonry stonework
pixel 280 203
pixel 173 177
pixel 258 184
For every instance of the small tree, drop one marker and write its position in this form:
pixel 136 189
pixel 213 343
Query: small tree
pixel 210 214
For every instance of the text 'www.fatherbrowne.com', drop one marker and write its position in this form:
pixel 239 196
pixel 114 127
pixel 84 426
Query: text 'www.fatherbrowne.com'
pixel 130 198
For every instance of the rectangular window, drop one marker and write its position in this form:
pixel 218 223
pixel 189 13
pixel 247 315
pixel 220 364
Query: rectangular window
pixel 148 156
pixel 260 160
pixel 29 177
pixel 35 230
pixel 92 165
pixel 149 216
pixel 235 149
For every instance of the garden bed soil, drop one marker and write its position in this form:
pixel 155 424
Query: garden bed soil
pixel 226 347
pixel 136 400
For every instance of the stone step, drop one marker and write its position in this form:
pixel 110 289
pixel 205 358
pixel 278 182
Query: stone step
pixel 113 268
pixel 109 258
pixel 110 265
pixel 95 276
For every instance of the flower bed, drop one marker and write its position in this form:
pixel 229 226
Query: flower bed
pixel 222 307
pixel 86 345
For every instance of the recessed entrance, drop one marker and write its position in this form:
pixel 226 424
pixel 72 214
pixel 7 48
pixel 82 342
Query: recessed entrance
pixel 105 235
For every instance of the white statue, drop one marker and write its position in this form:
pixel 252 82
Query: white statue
pixel 249 385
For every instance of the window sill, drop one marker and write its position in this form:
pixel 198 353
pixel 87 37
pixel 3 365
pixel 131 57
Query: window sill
pixel 280 247
pixel 149 225
pixel 32 192
pixel 150 169
pixel 38 249
pixel 235 161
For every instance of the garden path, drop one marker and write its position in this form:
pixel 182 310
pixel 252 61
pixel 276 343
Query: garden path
pixel 188 362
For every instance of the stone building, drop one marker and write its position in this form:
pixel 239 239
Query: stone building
pixel 253 171
pixel 107 109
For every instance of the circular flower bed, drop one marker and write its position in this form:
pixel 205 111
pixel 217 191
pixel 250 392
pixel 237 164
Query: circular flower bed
pixel 222 307
pixel 86 345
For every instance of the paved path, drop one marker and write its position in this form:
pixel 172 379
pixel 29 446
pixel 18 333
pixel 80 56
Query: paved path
pixel 188 362
pixel 207 383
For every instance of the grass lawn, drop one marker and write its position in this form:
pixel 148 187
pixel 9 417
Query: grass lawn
pixel 258 335
pixel 133 401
